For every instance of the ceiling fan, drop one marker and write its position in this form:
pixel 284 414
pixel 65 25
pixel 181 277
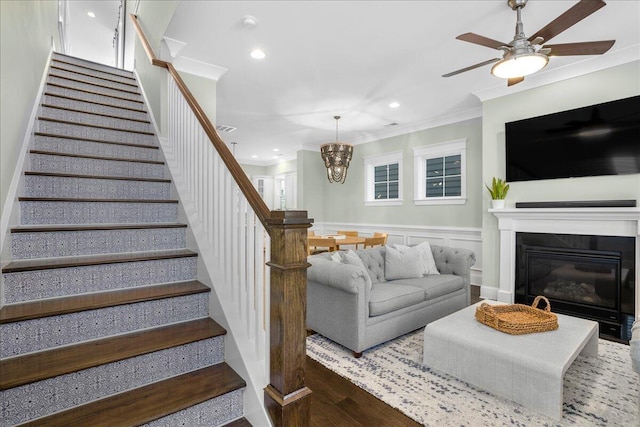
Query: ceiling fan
pixel 524 56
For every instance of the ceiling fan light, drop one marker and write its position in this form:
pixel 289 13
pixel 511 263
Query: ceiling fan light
pixel 519 65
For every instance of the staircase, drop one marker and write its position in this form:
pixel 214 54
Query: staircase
pixel 104 322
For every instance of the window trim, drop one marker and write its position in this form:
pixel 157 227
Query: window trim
pixel 370 162
pixel 441 149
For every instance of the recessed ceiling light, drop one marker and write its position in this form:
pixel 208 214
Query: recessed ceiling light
pixel 276 149
pixel 254 156
pixel 394 105
pixel 91 15
pixel 258 54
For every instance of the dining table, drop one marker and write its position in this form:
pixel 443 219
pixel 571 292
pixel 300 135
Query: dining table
pixel 348 240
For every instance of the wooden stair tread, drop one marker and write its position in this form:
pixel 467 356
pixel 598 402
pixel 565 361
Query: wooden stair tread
pixel 93 92
pixel 71 98
pixel 72 304
pixel 111 116
pixel 116 178
pixel 93 227
pixel 150 402
pixel 28 368
pixel 86 63
pixel 84 156
pixel 85 260
pixel 106 79
pixel 101 141
pixel 68 122
pixel 71 199
pixel 240 422
pixel 88 82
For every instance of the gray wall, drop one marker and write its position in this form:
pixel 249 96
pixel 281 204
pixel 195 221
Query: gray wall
pixel 27 29
pixel 312 178
pixel 282 167
pixel 253 170
pixel 344 203
pixel 615 83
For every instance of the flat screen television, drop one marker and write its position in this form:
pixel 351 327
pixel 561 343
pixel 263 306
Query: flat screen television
pixel 602 139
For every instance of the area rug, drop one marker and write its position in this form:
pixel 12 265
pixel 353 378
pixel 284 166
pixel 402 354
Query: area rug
pixel 597 392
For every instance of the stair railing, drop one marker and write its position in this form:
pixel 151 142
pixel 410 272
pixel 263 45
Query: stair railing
pixel 241 234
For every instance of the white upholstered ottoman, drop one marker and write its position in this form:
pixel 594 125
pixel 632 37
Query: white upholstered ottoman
pixel 527 369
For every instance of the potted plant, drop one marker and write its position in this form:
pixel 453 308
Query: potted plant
pixel 498 190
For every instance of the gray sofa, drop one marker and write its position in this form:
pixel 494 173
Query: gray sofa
pixel 359 309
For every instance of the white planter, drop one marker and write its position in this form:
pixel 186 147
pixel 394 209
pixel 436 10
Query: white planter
pixel 497 204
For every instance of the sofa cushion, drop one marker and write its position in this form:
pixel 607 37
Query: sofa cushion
pixel 425 254
pixel 388 297
pixel 402 265
pixel 435 285
pixel 373 260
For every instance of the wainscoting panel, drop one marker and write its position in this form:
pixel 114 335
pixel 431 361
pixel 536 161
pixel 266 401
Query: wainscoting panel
pixel 457 237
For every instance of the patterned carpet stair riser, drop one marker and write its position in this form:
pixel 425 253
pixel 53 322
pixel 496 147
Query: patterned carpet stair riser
pixel 96 161
pixel 597 392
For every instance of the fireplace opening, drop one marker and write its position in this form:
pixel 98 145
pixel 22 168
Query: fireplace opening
pixel 585 276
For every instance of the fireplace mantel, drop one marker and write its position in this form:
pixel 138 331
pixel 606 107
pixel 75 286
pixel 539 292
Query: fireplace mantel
pixel 590 221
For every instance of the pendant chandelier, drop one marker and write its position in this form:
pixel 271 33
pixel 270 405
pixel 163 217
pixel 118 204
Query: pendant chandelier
pixel 336 157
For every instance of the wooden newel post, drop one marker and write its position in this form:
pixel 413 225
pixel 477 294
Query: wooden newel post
pixel 286 397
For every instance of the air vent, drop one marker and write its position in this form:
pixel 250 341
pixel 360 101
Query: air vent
pixel 391 124
pixel 225 128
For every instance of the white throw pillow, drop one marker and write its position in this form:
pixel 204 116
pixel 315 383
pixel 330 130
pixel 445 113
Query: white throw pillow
pixel 426 257
pixel 335 256
pixel 352 258
pixel 402 265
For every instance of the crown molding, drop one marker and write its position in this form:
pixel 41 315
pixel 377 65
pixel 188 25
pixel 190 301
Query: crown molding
pixel 456 117
pixel 174 46
pixel 170 52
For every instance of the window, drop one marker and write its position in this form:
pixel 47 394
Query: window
pixel 440 173
pixel 383 182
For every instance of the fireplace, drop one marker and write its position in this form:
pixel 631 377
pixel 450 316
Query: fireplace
pixel 583 275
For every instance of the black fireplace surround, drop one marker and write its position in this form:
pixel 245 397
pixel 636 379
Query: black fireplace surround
pixel 582 275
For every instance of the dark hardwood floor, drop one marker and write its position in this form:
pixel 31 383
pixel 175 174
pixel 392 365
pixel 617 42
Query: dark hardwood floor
pixel 336 401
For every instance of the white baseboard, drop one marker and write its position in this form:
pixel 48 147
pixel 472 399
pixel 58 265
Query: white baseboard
pixel 488 292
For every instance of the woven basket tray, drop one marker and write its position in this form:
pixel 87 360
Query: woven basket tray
pixel 518 319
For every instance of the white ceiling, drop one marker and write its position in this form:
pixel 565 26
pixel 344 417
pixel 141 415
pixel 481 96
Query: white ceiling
pixel 352 58
pixel 93 38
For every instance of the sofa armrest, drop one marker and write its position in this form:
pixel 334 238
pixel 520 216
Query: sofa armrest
pixel 456 261
pixel 345 277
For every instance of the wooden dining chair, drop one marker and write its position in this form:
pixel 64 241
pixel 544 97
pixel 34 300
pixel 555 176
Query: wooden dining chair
pixel 311 233
pixel 370 242
pixel 317 244
pixel 381 235
pixel 348 232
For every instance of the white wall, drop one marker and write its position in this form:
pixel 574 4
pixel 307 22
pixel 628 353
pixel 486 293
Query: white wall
pixel 27 31
pixel 615 83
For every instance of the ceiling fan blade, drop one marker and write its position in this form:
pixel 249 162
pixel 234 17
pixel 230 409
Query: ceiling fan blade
pixel 584 48
pixel 514 81
pixel 471 67
pixel 577 13
pixel 481 40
